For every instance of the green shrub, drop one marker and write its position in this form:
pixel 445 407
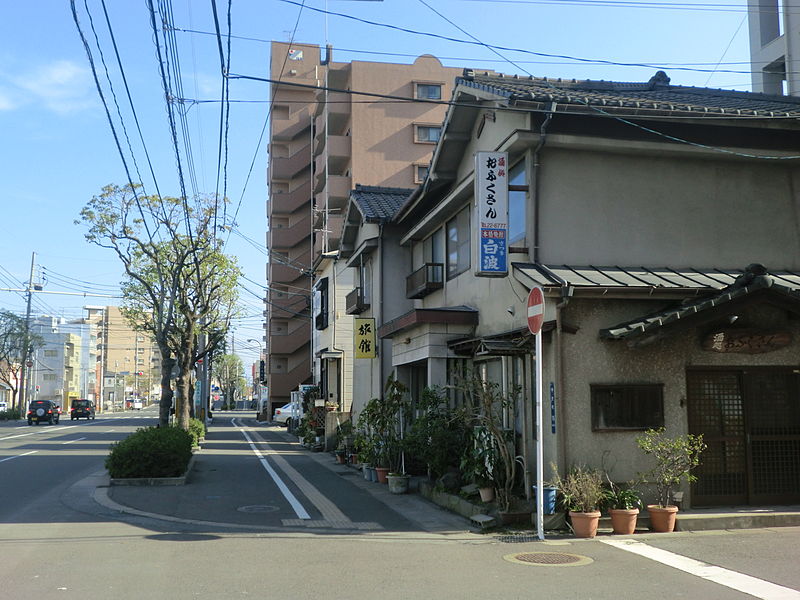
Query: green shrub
pixel 11 414
pixel 151 452
pixel 197 430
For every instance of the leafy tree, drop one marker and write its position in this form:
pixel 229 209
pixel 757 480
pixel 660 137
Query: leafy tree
pixel 228 370
pixel 179 286
pixel 14 351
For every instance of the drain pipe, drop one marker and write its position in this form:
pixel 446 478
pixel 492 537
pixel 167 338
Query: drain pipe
pixel 535 175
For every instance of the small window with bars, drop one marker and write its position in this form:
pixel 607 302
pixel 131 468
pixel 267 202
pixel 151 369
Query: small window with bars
pixel 627 407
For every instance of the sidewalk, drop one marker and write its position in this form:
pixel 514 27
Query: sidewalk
pixel 209 499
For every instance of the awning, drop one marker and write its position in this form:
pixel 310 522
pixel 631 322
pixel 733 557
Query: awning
pixel 365 247
pixel 448 315
pixel 755 285
pixel 632 279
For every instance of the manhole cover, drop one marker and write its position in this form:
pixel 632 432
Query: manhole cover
pixel 549 559
pixel 258 508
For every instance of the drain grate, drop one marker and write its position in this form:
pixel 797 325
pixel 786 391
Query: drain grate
pixel 258 508
pixel 517 539
pixel 549 559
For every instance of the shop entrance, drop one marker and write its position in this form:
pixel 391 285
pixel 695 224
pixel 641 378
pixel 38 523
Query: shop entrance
pixel 750 419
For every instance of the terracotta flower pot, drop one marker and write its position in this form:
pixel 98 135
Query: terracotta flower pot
pixel 662 518
pixel 382 473
pixel 623 520
pixel 584 524
pixel 487 493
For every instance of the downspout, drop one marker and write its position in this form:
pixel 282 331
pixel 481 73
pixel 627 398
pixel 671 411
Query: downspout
pixel 535 175
pixel 379 320
pixel 566 294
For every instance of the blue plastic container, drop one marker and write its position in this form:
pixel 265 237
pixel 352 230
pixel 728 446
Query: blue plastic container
pixel 548 500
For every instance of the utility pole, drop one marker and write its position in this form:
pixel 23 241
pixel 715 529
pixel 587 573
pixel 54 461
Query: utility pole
pixel 23 388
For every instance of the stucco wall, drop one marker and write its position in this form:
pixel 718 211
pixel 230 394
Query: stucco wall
pixel 625 209
pixel 591 360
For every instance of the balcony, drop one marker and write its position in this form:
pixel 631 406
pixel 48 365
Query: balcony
pixel 338 153
pixel 286 168
pixel 286 203
pixel 291 342
pixel 289 237
pixel 424 280
pixel 282 273
pixel 338 106
pixel 288 129
pixel 355 303
pixel 280 384
pixel 287 306
pixel 339 187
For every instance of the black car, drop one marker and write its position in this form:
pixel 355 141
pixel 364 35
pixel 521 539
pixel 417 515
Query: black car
pixel 81 408
pixel 43 410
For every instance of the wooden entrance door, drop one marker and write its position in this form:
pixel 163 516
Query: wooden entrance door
pixel 750 419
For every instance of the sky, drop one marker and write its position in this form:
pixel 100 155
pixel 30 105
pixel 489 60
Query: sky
pixel 57 148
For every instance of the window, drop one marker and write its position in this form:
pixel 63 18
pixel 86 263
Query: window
pixel 420 173
pixel 429 91
pixel 51 353
pixel 517 202
pixel 627 407
pixel 365 281
pixel 49 377
pixel 428 134
pixel 321 295
pixel 432 248
pixel 458 248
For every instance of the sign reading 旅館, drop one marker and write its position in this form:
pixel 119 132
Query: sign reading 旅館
pixel 491 213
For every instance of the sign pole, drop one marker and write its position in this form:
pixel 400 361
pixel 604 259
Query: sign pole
pixel 539 442
pixel 535 321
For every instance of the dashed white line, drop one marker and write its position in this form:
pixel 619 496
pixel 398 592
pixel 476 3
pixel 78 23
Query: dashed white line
pixel 737 581
pixel 18 455
pixel 71 441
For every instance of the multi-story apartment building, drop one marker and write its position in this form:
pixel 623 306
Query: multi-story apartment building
pixel 334 125
pixel 56 371
pixel 129 360
pixel 774 46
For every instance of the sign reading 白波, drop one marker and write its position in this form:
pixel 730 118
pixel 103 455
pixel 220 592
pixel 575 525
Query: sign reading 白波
pixel 491 214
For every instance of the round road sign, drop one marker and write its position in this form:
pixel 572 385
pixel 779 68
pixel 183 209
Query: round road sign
pixel 535 310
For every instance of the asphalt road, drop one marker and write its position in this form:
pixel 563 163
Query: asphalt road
pixel 58 541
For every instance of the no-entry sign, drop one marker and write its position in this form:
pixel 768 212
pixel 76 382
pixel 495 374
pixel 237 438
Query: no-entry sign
pixel 535 310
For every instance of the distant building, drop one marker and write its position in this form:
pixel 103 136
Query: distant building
pixel 775 46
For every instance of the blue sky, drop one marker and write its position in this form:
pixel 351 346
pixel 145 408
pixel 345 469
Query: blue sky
pixel 58 151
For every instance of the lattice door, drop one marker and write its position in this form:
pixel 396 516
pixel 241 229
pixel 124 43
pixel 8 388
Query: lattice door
pixel 772 398
pixel 716 409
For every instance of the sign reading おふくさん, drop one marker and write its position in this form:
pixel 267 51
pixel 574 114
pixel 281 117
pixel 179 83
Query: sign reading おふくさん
pixel 491 213
pixel 364 337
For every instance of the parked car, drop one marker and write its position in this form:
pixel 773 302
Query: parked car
pixel 284 413
pixel 137 404
pixel 81 408
pixel 43 410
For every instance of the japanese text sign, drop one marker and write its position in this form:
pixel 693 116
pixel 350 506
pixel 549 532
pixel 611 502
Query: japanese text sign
pixel 364 337
pixel 491 213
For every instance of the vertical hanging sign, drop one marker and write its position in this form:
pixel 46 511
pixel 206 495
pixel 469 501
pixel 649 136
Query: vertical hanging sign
pixel 365 339
pixel 491 214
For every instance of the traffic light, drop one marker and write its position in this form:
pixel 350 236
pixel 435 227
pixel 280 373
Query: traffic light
pixel 262 371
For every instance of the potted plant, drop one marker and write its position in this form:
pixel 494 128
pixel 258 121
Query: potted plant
pixel 623 504
pixel 582 492
pixel 675 457
pixel 479 463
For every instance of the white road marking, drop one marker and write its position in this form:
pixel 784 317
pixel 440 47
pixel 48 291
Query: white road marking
pixel 70 441
pixel 18 455
pixel 301 512
pixel 737 581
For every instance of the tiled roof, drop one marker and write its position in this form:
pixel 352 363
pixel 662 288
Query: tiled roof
pixel 654 95
pixel 379 204
pixel 749 283
pixel 641 277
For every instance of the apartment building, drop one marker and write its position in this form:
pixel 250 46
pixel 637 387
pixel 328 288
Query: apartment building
pixel 326 137
pixel 774 46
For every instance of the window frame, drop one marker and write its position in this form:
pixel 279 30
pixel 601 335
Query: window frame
pixel 417 177
pixel 629 393
pixel 464 246
pixel 419 126
pixel 419 85
pixel 518 192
